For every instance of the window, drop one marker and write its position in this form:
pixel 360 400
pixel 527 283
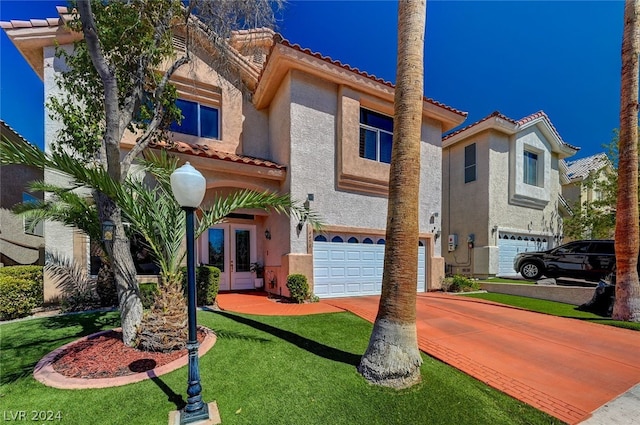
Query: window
pixel 30 228
pixel 376 136
pixel 531 168
pixel 197 120
pixel 470 163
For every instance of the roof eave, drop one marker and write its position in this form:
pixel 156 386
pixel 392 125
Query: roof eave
pixel 284 59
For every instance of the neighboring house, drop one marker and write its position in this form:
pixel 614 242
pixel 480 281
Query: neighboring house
pixel 501 192
pixel 20 242
pixel 316 129
pixel 585 177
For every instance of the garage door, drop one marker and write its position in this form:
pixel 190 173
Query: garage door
pixel 510 244
pixel 352 269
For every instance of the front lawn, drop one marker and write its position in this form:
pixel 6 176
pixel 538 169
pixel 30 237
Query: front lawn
pixel 553 308
pixel 263 370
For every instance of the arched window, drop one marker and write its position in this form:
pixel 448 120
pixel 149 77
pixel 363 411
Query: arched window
pixel 337 239
pixel 367 240
pixel 320 238
pixel 420 243
pixel 381 242
pixel 352 240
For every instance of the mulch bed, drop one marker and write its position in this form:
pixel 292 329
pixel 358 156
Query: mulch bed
pixel 106 356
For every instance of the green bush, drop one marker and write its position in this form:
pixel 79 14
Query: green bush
pixel 148 291
pixel 31 273
pixel 298 287
pixel 207 283
pixel 460 283
pixel 18 297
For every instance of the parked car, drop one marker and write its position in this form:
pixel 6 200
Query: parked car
pixel 590 260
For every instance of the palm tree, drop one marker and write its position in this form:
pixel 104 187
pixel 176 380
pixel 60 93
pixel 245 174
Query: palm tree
pixel 152 211
pixel 392 357
pixel 627 305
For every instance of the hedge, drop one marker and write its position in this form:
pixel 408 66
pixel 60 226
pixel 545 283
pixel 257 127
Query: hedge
pixel 207 283
pixel 18 297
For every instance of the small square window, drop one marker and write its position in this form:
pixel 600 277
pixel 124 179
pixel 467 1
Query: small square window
pixel 376 136
pixel 197 120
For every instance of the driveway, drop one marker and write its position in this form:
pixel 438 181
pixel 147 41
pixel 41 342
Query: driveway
pixel 565 367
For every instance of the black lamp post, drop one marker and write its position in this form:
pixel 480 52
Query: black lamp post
pixel 188 187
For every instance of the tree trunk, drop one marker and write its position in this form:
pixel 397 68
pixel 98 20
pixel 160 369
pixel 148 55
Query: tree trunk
pixel 129 301
pixel 627 305
pixel 392 358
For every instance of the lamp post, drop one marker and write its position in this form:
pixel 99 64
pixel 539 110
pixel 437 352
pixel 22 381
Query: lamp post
pixel 188 187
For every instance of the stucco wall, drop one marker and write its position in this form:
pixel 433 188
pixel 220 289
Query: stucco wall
pixel 314 125
pixel 563 294
pixel 465 206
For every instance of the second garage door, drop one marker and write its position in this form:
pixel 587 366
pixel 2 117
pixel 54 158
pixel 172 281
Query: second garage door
pixel 510 244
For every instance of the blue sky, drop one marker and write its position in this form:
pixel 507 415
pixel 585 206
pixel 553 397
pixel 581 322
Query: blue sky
pixel 517 57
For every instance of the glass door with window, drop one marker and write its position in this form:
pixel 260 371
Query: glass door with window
pixel 231 248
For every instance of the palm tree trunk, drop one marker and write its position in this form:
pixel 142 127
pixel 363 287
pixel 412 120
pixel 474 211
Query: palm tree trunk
pixel 392 357
pixel 627 305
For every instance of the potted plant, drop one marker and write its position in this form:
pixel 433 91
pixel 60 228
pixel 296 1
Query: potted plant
pixel 258 269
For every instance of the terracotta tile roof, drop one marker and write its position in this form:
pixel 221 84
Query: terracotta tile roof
pixel 541 114
pixel 491 115
pixel 580 168
pixel 278 39
pixel 207 152
pixel 519 123
pixel 37 23
pixel 4 124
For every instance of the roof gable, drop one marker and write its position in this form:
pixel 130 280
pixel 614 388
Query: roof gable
pixel 499 122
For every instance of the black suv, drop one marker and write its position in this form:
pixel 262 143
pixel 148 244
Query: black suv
pixel 589 260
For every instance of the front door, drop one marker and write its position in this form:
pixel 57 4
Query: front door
pixel 231 248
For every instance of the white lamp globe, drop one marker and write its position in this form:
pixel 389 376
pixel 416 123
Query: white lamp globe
pixel 188 186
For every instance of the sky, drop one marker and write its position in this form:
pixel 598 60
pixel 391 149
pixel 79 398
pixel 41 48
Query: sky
pixel 517 57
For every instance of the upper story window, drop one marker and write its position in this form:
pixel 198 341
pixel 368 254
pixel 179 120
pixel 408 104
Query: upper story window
pixel 30 227
pixel 198 120
pixel 376 136
pixel 530 168
pixel 470 163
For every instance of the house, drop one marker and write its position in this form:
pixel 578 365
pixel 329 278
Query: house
pixel 20 242
pixel 314 128
pixel 585 178
pixel 501 192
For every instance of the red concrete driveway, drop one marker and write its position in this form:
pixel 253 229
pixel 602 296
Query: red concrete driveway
pixel 565 367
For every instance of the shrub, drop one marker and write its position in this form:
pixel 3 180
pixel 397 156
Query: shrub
pixel 207 283
pixel 30 273
pixel 459 283
pixel 148 292
pixel 18 297
pixel 298 287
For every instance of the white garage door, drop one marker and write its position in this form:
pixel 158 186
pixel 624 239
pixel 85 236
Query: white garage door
pixel 510 244
pixel 350 269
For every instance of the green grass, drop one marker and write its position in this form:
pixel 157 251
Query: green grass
pixel 553 308
pixel 262 370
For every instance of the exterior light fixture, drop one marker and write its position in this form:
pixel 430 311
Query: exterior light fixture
pixel 267 234
pixel 188 187
pixel 108 232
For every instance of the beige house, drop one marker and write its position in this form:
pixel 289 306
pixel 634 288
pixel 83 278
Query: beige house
pixel 314 128
pixel 501 192
pixel 583 180
pixel 20 242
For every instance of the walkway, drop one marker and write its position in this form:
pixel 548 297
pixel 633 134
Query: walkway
pixel 565 367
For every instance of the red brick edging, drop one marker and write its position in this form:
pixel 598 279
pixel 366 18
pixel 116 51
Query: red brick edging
pixel 45 373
